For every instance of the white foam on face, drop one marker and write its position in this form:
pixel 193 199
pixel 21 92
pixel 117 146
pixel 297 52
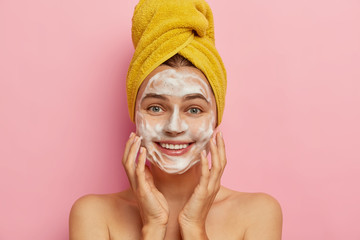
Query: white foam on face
pixel 177 84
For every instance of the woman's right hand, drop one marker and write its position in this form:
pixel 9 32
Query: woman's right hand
pixel 153 207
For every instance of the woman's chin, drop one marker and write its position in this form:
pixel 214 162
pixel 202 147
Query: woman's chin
pixel 178 168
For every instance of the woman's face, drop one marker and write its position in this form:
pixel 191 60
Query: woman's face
pixel 176 116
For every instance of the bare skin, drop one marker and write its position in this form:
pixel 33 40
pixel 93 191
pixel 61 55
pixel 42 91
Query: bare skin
pixel 191 205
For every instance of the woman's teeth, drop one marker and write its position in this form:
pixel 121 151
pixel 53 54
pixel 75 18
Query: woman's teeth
pixel 174 146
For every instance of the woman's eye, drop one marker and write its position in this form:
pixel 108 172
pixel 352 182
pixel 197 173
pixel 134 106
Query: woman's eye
pixel 194 110
pixel 155 109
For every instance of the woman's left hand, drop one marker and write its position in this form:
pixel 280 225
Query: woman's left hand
pixel 193 216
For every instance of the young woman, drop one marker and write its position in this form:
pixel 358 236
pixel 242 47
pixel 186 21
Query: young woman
pixel 177 108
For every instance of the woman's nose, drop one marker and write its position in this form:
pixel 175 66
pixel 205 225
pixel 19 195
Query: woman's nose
pixel 175 125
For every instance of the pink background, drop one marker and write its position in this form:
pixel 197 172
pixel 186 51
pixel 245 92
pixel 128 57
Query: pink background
pixel 291 121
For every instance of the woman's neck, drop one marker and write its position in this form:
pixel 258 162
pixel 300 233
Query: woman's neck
pixel 177 187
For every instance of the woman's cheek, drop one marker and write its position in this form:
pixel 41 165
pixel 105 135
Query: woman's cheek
pixel 149 128
pixel 143 128
pixel 203 130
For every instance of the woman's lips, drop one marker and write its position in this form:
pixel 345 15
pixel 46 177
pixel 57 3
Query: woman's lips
pixel 174 148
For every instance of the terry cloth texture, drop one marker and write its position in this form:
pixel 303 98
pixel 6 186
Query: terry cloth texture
pixel 162 28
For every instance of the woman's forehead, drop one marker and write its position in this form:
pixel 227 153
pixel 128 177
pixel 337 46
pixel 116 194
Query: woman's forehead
pixel 176 82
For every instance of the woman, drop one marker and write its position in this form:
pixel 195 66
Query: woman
pixel 176 90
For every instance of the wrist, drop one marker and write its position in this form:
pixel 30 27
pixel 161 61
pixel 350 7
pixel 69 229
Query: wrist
pixel 193 232
pixel 152 231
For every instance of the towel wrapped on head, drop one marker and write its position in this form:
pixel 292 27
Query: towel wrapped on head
pixel 163 28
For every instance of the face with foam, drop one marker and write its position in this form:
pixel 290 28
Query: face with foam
pixel 176 116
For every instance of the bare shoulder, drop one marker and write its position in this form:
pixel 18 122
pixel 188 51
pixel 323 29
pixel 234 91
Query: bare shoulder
pixel 259 213
pixel 91 215
pixel 249 201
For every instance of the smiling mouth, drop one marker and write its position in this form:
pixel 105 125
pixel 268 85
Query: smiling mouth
pixel 174 149
pixel 174 146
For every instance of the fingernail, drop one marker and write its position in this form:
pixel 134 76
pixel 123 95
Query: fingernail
pixel 141 150
pixel 213 140
pixel 131 134
pixel 220 133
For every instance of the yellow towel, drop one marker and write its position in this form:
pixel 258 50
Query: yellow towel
pixel 162 28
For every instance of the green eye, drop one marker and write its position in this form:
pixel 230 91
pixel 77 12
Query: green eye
pixel 194 111
pixel 155 109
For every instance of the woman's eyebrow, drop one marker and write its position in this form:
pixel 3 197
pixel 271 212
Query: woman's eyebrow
pixel 154 95
pixel 195 96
